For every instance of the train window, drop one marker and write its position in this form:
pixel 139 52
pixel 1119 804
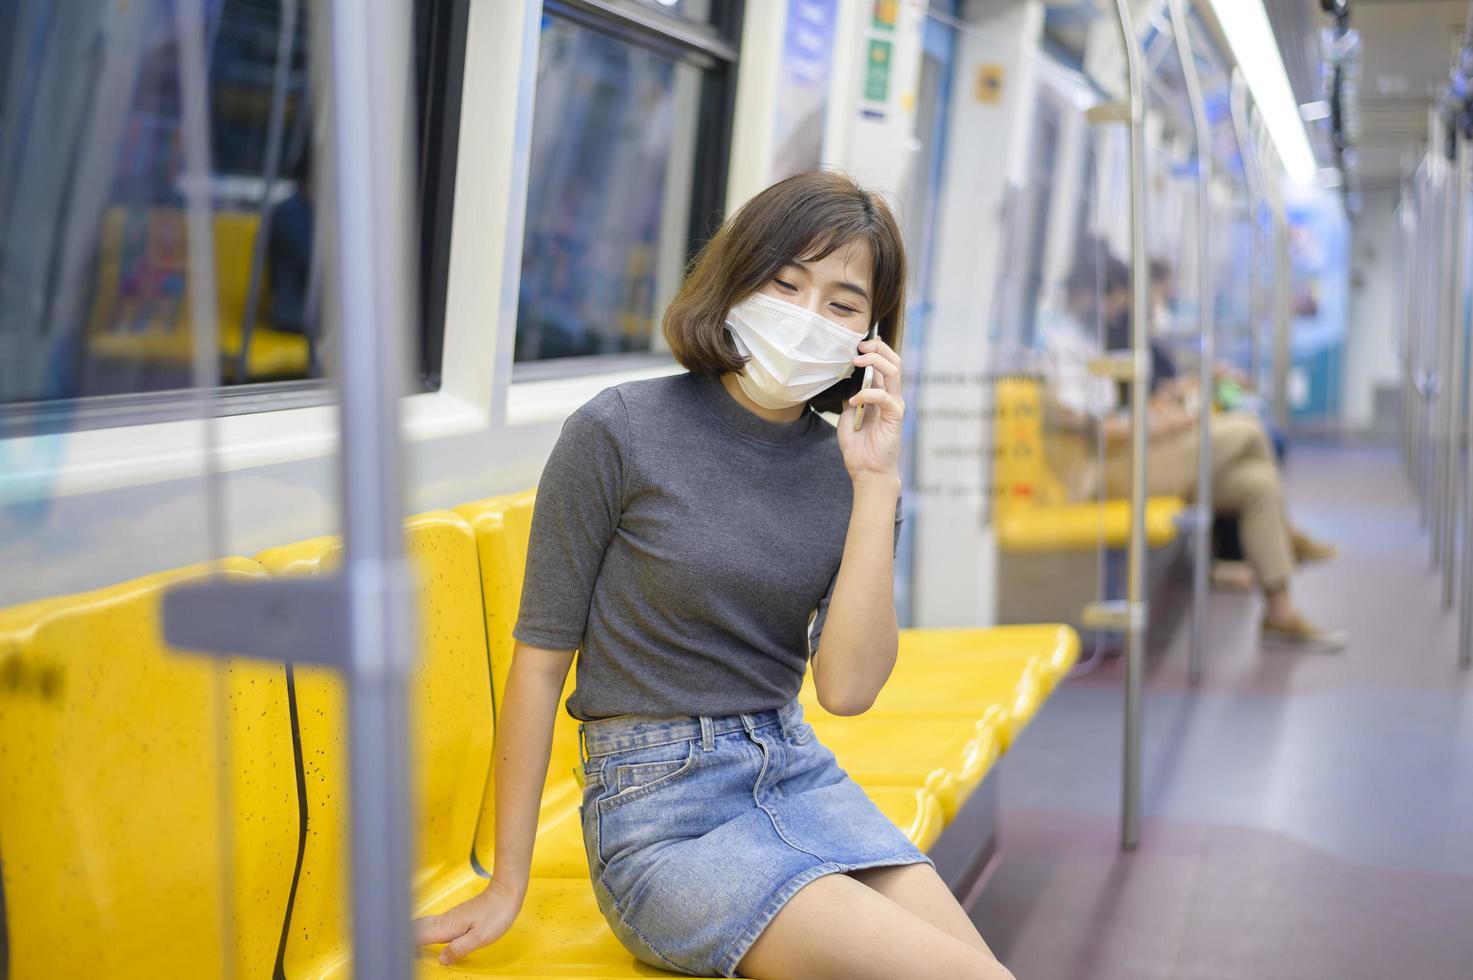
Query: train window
pixel 95 323
pixel 628 171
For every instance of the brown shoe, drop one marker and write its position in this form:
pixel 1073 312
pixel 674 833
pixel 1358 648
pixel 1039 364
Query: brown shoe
pixel 1308 549
pixel 1300 634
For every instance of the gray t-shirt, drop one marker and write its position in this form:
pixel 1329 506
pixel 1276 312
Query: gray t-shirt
pixel 687 548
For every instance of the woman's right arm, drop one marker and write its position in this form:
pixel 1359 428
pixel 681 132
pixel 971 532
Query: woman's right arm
pixel 523 743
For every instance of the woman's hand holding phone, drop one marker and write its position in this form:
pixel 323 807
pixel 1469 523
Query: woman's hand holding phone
pixel 870 426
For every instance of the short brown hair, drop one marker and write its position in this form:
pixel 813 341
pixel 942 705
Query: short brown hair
pixel 805 217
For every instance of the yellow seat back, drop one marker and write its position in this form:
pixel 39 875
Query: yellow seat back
pixel 1021 474
pixel 119 762
pixel 450 736
pixel 503 527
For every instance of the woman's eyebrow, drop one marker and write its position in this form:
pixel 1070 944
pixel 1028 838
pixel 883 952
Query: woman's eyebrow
pixel 845 285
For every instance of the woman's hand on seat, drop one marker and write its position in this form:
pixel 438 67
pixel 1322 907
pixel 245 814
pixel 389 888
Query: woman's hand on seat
pixel 473 923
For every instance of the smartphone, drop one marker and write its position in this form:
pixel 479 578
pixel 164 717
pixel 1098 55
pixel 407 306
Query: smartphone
pixel 869 378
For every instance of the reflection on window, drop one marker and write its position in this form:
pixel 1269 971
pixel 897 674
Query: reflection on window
pixel 608 204
pixel 698 11
pixel 95 285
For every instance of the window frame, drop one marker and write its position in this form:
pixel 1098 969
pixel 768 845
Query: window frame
pixel 714 50
pixel 442 76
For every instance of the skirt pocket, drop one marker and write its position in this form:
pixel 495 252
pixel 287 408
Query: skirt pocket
pixel 634 775
pixel 641 797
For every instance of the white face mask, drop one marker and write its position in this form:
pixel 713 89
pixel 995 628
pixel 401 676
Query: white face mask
pixel 792 353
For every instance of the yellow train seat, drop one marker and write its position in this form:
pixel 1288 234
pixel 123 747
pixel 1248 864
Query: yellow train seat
pixel 503 528
pixel 117 758
pixel 954 702
pixel 1033 512
pixel 451 733
pixel 138 316
pixel 964 672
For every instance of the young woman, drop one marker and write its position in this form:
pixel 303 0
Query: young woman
pixel 696 537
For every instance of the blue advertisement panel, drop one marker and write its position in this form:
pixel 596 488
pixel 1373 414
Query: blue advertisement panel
pixel 802 104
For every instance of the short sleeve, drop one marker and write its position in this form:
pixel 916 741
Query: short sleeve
pixel 820 614
pixel 580 499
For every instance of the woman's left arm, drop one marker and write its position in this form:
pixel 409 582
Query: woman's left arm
pixel 859 641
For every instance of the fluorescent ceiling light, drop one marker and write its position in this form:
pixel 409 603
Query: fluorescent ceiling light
pixel 1257 53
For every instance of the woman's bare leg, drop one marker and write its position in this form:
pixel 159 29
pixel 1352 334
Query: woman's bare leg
pixel 918 889
pixel 837 928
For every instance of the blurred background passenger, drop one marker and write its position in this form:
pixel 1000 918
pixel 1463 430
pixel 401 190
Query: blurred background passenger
pixel 1084 411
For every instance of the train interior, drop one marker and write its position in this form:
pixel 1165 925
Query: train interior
pixel 295 299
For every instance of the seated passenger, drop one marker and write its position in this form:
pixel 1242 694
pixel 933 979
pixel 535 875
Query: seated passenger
pixel 1245 478
pixel 1232 388
pixel 694 538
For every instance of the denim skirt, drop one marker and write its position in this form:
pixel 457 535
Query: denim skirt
pixel 699 830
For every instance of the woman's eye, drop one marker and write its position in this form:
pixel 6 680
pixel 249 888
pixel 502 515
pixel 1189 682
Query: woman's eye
pixel 846 310
pixel 783 284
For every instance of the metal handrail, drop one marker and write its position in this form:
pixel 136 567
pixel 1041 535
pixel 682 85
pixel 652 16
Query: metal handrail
pixel 371 295
pixel 1283 292
pixel 1256 205
pixel 1460 313
pixel 1206 329
pixel 1442 339
pixel 1453 327
pixel 1136 624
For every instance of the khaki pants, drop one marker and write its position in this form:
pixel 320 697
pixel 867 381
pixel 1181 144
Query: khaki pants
pixel 1245 483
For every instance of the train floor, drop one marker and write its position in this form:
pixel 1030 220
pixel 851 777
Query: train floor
pixel 1306 815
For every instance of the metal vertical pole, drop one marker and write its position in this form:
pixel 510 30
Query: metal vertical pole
pixel 1436 294
pixel 1130 830
pixel 371 293
pixel 1246 152
pixel 1452 305
pixel 1431 376
pixel 1408 300
pixel 1283 300
pixel 1206 330
pixel 1427 215
pixel 1461 312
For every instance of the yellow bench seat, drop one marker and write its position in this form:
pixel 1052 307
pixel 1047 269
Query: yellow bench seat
pixel 964 672
pixel 560 933
pixel 953 704
pixel 1032 512
pixel 1084 526
pixel 956 699
pixel 118 754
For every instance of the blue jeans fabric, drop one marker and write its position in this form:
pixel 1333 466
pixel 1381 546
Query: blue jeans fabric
pixel 699 830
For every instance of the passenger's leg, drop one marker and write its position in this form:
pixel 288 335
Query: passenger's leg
pixel 836 928
pixel 1250 488
pixel 920 890
pixel 1237 436
pixel 1171 468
